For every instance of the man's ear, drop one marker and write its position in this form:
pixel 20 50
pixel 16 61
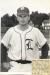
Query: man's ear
pixel 17 18
pixel 28 18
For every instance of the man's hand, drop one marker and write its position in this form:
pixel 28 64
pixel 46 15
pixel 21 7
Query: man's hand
pixel 6 65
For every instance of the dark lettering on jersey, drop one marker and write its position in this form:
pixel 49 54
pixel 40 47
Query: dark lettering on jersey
pixel 29 44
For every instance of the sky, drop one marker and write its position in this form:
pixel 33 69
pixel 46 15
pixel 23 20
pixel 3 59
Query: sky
pixel 11 6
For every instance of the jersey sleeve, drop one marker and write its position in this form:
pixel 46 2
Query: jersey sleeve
pixel 40 38
pixel 6 38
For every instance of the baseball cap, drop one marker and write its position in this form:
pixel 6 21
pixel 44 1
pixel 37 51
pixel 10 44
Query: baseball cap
pixel 22 11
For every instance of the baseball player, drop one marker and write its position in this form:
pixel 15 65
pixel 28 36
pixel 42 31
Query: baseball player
pixel 21 43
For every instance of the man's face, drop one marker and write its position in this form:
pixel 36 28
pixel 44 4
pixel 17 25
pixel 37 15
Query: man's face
pixel 23 19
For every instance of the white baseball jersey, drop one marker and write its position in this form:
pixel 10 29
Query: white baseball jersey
pixel 23 44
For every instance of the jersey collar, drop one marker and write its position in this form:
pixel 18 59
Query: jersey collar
pixel 25 31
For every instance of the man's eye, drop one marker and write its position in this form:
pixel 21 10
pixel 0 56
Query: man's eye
pixel 24 16
pixel 20 16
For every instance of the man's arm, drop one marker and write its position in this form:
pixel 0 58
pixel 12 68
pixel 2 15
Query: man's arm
pixel 44 51
pixel 4 63
pixel 3 53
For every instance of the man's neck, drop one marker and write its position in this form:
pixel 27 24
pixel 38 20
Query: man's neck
pixel 23 27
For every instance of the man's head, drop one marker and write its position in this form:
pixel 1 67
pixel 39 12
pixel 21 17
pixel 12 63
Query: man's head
pixel 23 15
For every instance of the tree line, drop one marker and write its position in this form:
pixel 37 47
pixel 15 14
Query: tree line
pixel 35 17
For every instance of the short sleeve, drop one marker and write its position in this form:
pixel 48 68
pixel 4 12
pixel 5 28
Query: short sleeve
pixel 40 38
pixel 6 38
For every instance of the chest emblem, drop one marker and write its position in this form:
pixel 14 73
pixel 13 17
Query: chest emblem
pixel 29 43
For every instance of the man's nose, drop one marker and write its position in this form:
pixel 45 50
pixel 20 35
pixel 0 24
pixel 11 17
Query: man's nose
pixel 23 18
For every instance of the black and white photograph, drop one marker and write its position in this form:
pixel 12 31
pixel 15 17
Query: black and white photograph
pixel 25 34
